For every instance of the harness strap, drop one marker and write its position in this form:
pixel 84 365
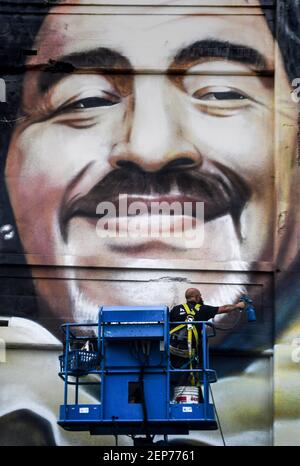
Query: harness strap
pixel 179 327
pixel 190 338
pixel 195 332
pixel 191 330
pixel 192 312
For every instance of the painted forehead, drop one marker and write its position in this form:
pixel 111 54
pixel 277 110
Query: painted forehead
pixel 148 41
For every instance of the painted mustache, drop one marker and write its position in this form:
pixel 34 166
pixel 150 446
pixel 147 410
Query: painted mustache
pixel 222 191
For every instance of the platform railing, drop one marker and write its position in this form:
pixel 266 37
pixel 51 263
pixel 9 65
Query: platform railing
pixel 78 362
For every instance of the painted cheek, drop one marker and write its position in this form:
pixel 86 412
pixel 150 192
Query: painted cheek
pixel 57 152
pixel 242 142
pixel 46 157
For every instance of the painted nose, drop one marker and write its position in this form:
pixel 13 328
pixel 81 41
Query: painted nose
pixel 154 139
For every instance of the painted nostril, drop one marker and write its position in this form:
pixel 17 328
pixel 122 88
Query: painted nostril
pixel 127 164
pixel 181 163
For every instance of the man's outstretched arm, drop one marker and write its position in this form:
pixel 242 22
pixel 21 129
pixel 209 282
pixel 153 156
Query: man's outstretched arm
pixel 231 307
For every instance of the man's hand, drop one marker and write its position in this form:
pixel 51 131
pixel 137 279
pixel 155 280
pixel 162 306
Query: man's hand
pixel 240 305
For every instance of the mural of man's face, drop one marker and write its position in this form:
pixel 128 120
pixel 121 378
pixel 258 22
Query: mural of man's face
pixel 182 120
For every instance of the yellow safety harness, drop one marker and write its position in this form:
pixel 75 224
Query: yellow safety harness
pixel 191 330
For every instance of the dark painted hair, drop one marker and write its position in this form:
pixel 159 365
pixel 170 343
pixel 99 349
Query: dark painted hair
pixel 285 27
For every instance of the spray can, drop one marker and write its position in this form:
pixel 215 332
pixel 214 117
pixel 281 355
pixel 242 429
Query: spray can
pixel 251 315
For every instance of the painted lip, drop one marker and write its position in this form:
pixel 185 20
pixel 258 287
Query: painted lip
pixel 181 229
pixel 152 216
pixel 88 209
pixel 152 201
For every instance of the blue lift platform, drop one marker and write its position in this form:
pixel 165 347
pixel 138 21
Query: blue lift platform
pixel 126 356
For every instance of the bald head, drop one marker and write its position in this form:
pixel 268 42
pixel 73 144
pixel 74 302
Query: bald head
pixel 193 294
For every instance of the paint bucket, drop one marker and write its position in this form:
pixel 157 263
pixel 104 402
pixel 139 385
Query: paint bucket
pixel 186 394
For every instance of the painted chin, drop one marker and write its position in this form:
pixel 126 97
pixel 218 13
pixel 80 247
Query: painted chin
pixel 87 297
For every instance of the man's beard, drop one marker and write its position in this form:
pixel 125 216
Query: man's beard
pixel 86 309
pixel 194 301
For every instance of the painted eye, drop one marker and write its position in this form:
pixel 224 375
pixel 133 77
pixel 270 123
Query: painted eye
pixel 223 96
pixel 218 94
pixel 92 102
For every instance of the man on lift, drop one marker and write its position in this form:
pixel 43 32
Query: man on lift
pixel 185 340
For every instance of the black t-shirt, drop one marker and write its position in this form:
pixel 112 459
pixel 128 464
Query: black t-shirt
pixel 178 314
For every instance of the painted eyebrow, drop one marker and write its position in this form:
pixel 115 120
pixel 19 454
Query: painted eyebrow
pixel 109 61
pixel 208 49
pixel 104 60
